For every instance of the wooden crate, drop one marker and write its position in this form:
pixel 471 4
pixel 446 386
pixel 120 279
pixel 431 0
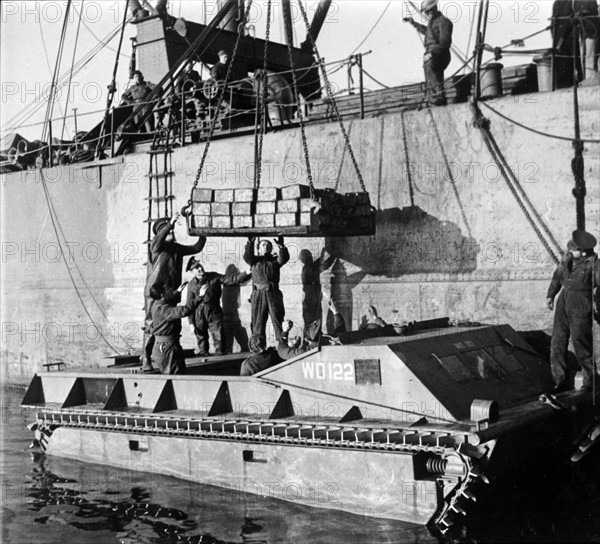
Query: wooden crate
pixel 202 195
pixel 265 207
pixel 242 221
pixel 201 208
pixel 288 206
pixel 264 220
pixel 295 191
pixel 202 221
pixel 244 195
pixel 286 219
pixel 241 208
pixel 220 208
pixel 221 222
pixel 223 195
pixel 266 194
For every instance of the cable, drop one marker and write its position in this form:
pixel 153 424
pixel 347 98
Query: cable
pixel 52 218
pixel 71 74
pixel 535 131
pixel 372 28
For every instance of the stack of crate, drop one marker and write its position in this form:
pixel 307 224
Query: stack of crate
pixel 290 210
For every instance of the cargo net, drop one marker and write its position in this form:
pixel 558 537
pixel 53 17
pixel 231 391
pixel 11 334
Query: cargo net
pixel 289 211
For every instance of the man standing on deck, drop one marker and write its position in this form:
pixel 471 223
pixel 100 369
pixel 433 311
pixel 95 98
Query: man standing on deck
pixel 209 314
pixel 578 274
pixel 137 95
pixel 219 70
pixel 165 267
pixel 267 299
pixel 438 39
pixel 167 352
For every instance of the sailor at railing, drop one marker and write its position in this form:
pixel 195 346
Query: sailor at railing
pixel 137 95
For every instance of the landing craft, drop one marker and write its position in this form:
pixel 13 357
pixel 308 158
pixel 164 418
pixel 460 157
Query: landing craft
pixel 437 417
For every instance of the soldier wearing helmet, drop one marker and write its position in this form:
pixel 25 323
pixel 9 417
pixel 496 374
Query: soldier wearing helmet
pixel 209 314
pixel 575 278
pixel 164 268
pixel 438 39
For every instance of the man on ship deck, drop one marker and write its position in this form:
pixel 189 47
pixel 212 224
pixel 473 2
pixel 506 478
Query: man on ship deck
pixel 164 267
pixel 167 352
pixel 209 314
pixel 575 278
pixel 266 299
pixel 438 39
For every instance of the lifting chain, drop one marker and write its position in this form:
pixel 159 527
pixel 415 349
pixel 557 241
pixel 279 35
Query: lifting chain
pixel 299 109
pixel 262 103
pixel 331 97
pixel 213 124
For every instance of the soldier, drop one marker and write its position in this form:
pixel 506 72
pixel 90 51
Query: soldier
pixel 266 298
pixel 578 274
pixel 438 39
pixel 167 352
pixel 219 70
pixel 209 314
pixel 165 266
pixel 289 348
pixel 261 358
pixel 137 94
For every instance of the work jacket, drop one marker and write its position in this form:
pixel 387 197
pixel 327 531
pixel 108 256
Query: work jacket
pixel 265 268
pixel 165 260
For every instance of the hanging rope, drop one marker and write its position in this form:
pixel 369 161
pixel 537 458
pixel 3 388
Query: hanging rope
pixel 299 109
pixel 331 97
pixel 54 226
pixel 62 132
pixel 52 96
pixel 577 165
pixel 483 124
pixel 262 105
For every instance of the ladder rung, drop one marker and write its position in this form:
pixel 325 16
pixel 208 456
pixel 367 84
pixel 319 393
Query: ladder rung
pixel 159 198
pixel 163 175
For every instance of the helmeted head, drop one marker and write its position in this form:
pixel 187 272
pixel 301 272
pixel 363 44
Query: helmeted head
pixel 581 243
pixel 223 56
pixel 161 291
pixel 257 343
pixel 265 247
pixel 305 256
pixel 160 224
pixel 429 6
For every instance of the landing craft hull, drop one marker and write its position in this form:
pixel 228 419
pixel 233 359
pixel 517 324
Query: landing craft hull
pixel 369 483
pixel 408 428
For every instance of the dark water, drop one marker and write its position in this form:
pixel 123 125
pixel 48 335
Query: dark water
pixel 52 500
